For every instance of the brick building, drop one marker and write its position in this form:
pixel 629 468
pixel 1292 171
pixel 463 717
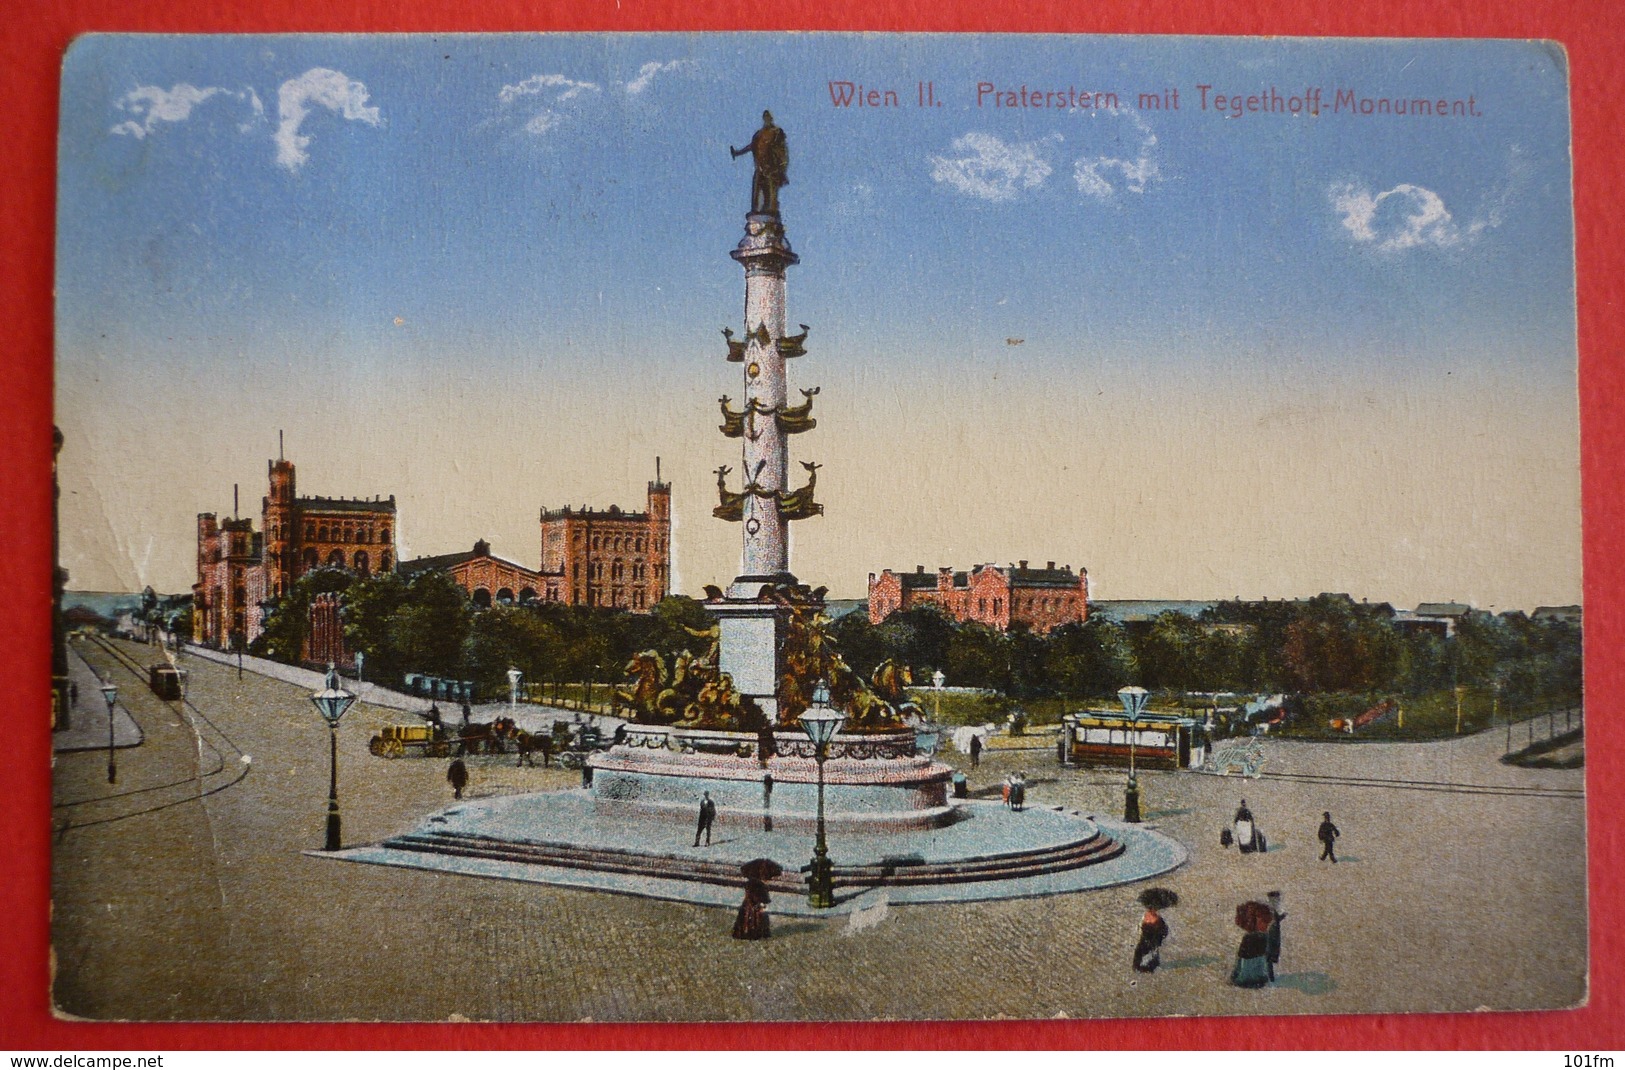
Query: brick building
pixel 488 579
pixel 609 557
pixel 239 569
pixel 1039 598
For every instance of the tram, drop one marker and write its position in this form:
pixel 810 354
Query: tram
pixel 1158 740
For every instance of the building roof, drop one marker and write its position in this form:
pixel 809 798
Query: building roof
pixel 1443 609
pixel 1556 613
pixel 1042 577
pixel 614 512
pixel 348 505
pixel 438 563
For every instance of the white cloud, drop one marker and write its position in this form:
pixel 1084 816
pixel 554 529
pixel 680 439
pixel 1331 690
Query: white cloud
pixel 318 86
pixel 1096 175
pixel 647 72
pixel 1400 218
pixel 551 95
pixel 151 105
pixel 991 169
pixel 556 86
pixel 543 121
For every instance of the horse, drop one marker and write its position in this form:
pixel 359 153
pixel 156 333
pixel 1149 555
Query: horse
pixel 649 670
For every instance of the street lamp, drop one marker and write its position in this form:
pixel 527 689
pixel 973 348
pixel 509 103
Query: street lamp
pixel 937 680
pixel 821 724
pixel 360 670
pixel 110 693
pixel 331 702
pixel 513 691
pixel 1133 699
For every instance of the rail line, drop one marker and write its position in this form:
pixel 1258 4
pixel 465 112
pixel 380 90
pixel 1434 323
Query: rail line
pixel 191 714
pixel 1426 785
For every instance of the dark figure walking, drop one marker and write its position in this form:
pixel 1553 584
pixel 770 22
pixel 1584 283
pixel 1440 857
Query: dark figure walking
pixel 708 815
pixel 753 922
pixel 467 714
pixel 1328 836
pixel 1018 793
pixel 1272 935
pixel 1148 952
pixel 434 715
pixel 975 751
pixel 457 777
pixel 73 696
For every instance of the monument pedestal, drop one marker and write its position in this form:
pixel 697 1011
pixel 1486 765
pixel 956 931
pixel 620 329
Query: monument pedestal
pixel 748 642
pixel 872 783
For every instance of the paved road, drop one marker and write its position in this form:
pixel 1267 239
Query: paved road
pixel 201 905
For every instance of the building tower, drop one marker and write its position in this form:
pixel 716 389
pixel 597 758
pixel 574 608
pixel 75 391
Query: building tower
pixel 751 614
pixel 654 569
pixel 280 524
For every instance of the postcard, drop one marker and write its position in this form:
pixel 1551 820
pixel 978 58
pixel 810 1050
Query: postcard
pixel 773 527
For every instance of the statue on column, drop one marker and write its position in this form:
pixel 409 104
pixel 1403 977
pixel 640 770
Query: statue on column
pixel 772 155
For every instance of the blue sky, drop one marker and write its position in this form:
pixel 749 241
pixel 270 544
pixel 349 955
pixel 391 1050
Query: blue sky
pixel 346 235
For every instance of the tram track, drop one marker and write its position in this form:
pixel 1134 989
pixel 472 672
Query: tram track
pixel 1426 785
pixel 67 814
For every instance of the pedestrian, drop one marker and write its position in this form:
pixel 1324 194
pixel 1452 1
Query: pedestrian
pixel 1328 835
pixel 1252 957
pixel 708 816
pixel 1153 929
pixel 434 714
pixel 1007 789
pixel 468 714
pixel 753 922
pixel 1018 792
pixel 1245 832
pixel 975 750
pixel 1272 936
pixel 73 696
pixel 457 776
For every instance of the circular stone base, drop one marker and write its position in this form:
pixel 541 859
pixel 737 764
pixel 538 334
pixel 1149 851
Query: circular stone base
pixel 988 852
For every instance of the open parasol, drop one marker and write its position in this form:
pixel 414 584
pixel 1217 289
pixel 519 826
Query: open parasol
pixel 761 869
pixel 1158 898
pixel 1255 917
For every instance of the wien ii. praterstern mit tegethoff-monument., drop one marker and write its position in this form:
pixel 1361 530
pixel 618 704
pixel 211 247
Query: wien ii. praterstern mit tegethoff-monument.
pixel 728 722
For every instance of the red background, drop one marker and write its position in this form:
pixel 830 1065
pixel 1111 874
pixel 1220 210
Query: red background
pixel 35 34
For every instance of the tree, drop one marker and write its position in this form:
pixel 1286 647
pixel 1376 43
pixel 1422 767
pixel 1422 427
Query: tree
pixel 979 656
pixel 286 623
pixel 1089 660
pixel 428 632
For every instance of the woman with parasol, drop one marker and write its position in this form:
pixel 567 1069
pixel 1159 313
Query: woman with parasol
pixel 1252 968
pixel 1153 930
pixel 753 922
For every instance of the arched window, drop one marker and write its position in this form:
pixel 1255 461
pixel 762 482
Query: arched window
pixel 595 542
pixel 383 561
pixel 383 534
pixel 310 531
pixel 527 596
pixel 321 534
pixel 336 558
pixel 363 564
pixel 505 596
pixel 312 559
pixel 482 598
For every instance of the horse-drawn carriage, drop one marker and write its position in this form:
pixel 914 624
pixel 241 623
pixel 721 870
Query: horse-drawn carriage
pixel 419 740
pixel 574 744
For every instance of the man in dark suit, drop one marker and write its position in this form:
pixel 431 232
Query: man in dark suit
pixel 708 815
pixel 1328 836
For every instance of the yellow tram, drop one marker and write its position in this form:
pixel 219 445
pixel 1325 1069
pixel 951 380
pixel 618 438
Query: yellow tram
pixel 1158 740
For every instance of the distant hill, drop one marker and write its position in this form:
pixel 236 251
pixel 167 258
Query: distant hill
pixel 108 604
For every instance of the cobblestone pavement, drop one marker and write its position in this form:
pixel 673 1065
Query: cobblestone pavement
pixel 207 909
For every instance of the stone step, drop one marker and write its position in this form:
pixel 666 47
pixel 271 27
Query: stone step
pixel 1017 864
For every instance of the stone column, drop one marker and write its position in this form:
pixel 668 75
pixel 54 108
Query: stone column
pixel 765 254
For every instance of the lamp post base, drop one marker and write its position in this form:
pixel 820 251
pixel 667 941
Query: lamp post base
pixel 332 830
pixel 1131 802
pixel 821 883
